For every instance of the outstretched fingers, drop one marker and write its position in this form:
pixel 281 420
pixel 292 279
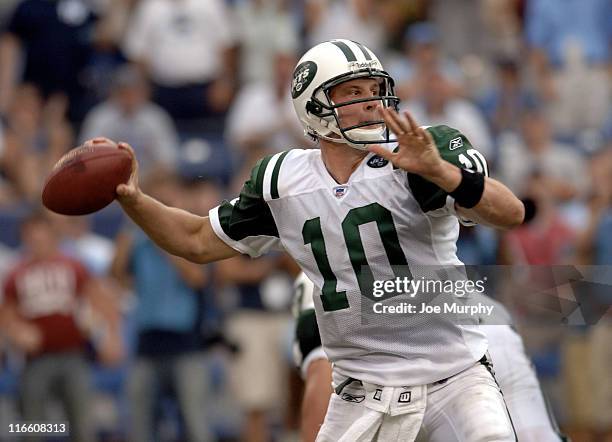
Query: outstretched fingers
pixel 414 127
pixel 392 122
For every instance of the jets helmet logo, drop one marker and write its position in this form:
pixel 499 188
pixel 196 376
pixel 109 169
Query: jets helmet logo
pixel 302 76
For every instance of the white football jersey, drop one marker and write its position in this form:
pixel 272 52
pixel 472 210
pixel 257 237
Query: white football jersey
pixel 344 237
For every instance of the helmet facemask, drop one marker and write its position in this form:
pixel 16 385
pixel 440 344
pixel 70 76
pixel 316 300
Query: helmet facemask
pixel 359 135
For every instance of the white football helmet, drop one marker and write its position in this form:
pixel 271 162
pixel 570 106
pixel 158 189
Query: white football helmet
pixel 325 66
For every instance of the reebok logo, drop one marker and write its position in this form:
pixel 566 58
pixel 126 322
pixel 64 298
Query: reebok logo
pixel 455 143
pixel 352 398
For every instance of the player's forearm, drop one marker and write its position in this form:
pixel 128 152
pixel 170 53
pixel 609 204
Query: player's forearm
pixel 498 206
pixel 174 230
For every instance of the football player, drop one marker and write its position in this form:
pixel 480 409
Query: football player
pixel 512 370
pixel 347 212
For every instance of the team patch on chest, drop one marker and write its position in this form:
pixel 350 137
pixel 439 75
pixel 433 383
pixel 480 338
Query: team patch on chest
pixel 377 162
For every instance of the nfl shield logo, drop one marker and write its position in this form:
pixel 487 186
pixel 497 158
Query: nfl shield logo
pixel 340 191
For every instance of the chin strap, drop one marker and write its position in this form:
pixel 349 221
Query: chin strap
pixel 364 134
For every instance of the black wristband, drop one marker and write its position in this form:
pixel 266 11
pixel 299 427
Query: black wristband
pixel 470 190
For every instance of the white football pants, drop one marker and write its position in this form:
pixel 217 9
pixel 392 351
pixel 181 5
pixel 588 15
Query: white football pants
pixel 467 407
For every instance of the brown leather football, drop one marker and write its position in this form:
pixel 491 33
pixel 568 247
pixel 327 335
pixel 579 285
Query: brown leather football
pixel 84 180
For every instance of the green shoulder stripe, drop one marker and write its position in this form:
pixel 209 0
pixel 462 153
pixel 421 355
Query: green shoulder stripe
pixel 258 172
pixel 275 172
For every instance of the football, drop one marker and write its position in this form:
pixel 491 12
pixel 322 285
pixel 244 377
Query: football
pixel 84 180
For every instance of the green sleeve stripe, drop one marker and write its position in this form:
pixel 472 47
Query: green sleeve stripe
pixel 261 171
pixel 275 172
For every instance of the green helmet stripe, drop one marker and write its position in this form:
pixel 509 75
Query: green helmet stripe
pixel 348 53
pixel 363 49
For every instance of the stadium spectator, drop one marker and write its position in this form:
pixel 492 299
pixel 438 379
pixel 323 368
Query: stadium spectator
pixel 462 27
pixel 436 103
pixel 95 252
pixel 561 169
pixel 6 8
pixel 55 40
pixel 261 119
pixel 78 241
pixel 595 243
pixel 595 250
pixel 36 135
pixel 571 55
pixel 546 238
pixel 115 16
pixel 45 295
pixel 6 190
pixel 7 260
pixel 129 115
pixel 259 327
pixel 420 57
pixel 186 49
pixel 105 55
pixel 503 102
pixel 503 28
pixel 607 129
pixel 357 20
pixel 264 28
pixel 170 351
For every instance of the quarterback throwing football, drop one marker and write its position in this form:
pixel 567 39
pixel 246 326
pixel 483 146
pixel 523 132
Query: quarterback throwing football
pixel 352 209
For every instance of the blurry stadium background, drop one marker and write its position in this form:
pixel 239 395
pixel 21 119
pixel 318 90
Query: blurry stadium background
pixel 200 90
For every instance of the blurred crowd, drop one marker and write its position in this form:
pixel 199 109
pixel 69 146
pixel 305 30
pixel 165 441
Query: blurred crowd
pixel 99 326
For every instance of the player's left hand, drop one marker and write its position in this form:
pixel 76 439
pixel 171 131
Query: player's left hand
pixel 417 152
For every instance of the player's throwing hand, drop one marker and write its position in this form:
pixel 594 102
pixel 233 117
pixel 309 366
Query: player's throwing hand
pixel 128 192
